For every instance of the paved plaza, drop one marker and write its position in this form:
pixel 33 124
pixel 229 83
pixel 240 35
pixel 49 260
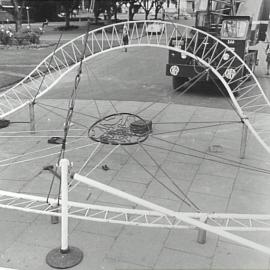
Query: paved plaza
pixel 193 145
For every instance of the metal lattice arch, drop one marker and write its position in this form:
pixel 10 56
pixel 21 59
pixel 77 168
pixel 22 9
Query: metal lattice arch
pixel 250 96
pixel 251 105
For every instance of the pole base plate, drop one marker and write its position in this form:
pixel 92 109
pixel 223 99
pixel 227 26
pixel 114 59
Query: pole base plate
pixel 59 259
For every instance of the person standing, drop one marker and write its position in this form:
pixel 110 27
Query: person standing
pixel 125 38
pixel 163 13
pixel 267 52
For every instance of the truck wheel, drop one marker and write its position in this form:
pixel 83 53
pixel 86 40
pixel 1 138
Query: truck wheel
pixel 178 81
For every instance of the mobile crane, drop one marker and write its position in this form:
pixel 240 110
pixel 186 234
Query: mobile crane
pixel 231 22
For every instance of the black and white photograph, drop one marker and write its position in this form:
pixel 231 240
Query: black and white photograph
pixel 135 134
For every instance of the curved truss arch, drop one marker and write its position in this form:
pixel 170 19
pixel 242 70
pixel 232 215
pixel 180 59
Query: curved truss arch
pixel 251 102
pixel 67 58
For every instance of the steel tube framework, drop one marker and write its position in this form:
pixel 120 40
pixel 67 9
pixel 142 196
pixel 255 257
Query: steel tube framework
pixel 251 102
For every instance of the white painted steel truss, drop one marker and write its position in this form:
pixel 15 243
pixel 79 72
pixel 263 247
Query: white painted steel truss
pixel 251 102
pixel 127 216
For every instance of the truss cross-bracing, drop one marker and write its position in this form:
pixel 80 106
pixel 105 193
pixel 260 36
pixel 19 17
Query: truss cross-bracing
pixel 251 102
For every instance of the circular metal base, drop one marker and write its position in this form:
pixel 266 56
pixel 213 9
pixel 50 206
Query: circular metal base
pixel 59 259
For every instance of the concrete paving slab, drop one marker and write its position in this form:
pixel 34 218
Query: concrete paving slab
pixel 206 202
pixel 178 170
pixel 16 216
pixel 106 229
pixel 212 184
pixel 95 247
pixel 112 264
pixel 218 169
pixel 186 241
pixel 27 257
pixel 175 259
pixel 253 182
pixel 248 202
pixel 229 256
pixel 133 188
pixel 171 204
pixel 12 230
pixel 157 188
pixel 132 243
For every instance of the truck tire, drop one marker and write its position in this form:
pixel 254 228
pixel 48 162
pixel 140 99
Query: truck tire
pixel 178 81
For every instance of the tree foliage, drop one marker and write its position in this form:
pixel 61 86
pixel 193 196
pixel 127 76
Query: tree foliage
pixel 68 7
pixel 19 6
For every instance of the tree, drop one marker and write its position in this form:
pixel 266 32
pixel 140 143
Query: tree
pixel 108 7
pixel 133 7
pixel 158 6
pixel 19 5
pixel 69 6
pixel 147 5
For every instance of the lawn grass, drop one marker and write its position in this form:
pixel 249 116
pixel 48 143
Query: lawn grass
pixel 20 61
pixel 6 80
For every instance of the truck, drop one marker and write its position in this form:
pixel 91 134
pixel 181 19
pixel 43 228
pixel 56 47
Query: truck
pixel 236 23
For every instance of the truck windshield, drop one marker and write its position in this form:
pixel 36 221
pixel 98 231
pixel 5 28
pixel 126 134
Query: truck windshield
pixel 234 29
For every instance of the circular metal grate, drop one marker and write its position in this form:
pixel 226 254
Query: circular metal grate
pixel 120 128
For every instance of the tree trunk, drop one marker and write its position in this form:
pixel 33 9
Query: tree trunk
pixel 67 17
pixel 146 14
pixel 115 15
pixel 17 13
pixel 131 13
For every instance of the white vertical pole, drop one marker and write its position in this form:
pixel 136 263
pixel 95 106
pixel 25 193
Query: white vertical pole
pixel 64 165
pixel 32 117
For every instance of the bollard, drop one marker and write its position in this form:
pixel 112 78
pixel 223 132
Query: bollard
pixel 243 140
pixel 201 237
pixel 32 117
pixel 55 219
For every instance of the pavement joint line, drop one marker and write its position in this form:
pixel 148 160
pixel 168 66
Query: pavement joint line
pixel 190 253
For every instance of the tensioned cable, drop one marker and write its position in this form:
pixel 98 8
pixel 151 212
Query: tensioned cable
pixel 70 111
pixel 182 93
pixel 61 116
pixel 171 180
pixel 90 156
pixel 153 103
pixel 38 131
pixel 84 165
pixel 95 102
pixel 196 128
pixel 193 80
pixel 100 86
pixel 40 136
pixel 104 158
pixel 197 58
pixel 226 98
pixel 233 162
pixel 154 177
pixel 44 74
pixel 34 152
pixel 62 109
pixel 48 155
pixel 194 122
